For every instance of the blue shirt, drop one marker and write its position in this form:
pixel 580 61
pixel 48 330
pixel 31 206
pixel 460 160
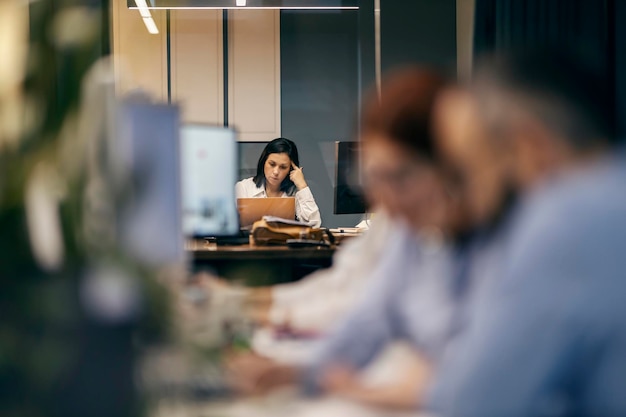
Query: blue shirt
pixel 550 338
pixel 408 299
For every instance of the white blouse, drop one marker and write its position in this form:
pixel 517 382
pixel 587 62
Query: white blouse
pixel 306 208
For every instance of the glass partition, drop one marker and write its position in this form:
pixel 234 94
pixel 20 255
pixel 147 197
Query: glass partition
pixel 293 69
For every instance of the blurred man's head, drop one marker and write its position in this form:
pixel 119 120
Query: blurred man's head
pixel 550 105
pixel 529 116
pixel 400 160
pixel 482 169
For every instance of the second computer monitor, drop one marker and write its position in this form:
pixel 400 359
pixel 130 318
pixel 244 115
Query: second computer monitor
pixel 209 172
pixel 349 196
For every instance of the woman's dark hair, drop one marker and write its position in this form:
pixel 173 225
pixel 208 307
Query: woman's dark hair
pixel 278 145
pixel 403 111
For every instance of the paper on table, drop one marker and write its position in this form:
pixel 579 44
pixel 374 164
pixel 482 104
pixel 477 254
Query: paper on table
pixel 274 219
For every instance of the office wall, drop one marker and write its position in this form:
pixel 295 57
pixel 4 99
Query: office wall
pixel 184 64
pixel 319 78
pixel 320 75
pixel 140 59
pixel 620 67
pixel 254 73
pixel 196 65
pixel 421 31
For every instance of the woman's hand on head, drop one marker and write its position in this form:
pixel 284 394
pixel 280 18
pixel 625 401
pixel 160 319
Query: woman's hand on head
pixel 297 177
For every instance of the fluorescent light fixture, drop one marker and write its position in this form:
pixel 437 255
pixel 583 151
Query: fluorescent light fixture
pixel 251 8
pixel 150 25
pixel 249 4
pixel 147 17
pixel 143 8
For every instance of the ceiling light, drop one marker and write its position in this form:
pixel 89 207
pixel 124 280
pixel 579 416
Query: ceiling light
pixel 146 16
pixel 143 8
pixel 249 4
pixel 150 25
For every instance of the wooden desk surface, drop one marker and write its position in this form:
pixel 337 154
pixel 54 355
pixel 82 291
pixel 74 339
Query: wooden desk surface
pixel 203 250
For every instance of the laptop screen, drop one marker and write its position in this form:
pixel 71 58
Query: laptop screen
pixel 253 209
pixel 209 172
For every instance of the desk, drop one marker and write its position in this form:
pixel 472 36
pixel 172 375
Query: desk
pixel 258 265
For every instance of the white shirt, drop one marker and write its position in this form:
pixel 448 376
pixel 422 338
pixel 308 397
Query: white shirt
pixel 306 208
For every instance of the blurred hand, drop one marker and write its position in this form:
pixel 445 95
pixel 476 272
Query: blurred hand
pixel 297 177
pixel 209 281
pixel 404 392
pixel 251 374
pixel 341 380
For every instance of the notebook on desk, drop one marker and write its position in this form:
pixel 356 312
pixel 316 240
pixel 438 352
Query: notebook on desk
pixel 253 209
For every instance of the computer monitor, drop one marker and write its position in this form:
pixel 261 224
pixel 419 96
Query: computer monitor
pixel 249 153
pixel 209 173
pixel 349 196
pixel 146 147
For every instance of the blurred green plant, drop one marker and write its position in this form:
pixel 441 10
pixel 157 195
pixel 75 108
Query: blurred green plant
pixel 68 343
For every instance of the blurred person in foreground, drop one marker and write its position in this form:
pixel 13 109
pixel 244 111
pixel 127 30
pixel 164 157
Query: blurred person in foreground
pixel 408 296
pixel 549 337
pixel 310 307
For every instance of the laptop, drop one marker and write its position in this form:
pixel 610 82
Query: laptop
pixel 253 209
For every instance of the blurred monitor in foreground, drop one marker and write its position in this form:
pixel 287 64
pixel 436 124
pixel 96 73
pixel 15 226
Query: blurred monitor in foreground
pixel 349 197
pixel 249 153
pixel 209 173
pixel 149 223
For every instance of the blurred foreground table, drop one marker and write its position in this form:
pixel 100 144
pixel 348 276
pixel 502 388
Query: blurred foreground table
pixel 284 403
pixel 288 402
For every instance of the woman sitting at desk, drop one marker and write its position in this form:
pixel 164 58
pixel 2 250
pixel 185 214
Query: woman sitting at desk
pixel 279 174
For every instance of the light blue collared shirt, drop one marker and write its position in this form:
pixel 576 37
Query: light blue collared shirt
pixel 550 339
pixel 408 298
